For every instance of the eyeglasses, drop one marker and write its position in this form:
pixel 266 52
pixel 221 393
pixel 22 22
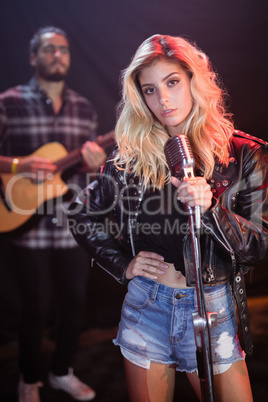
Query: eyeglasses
pixel 51 49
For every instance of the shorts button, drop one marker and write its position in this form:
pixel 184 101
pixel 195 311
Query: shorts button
pixel 178 296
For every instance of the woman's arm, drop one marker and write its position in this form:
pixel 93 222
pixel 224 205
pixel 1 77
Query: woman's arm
pixel 245 232
pixel 91 225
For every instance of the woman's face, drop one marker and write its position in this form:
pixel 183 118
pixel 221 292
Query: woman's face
pixel 166 89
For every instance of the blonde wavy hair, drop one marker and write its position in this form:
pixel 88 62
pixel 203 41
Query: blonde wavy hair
pixel 140 135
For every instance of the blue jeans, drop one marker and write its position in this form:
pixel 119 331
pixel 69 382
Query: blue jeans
pixel 156 325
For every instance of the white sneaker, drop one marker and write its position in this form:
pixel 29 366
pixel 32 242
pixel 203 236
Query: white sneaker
pixel 29 392
pixel 72 385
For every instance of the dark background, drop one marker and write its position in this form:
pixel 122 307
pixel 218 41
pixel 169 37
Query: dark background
pixel 105 34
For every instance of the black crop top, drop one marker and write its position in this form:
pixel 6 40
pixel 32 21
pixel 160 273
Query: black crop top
pixel 163 224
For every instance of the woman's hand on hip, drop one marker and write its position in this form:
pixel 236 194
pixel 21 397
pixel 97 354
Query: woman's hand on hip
pixel 147 264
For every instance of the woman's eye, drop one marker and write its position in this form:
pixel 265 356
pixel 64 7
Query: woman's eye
pixel 171 83
pixel 149 91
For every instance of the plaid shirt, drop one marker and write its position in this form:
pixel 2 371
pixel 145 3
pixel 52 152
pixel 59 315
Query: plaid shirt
pixel 28 121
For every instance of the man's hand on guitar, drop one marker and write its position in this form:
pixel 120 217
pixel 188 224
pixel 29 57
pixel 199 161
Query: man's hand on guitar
pixel 93 155
pixel 36 165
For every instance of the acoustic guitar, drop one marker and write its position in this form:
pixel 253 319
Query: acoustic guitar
pixel 21 195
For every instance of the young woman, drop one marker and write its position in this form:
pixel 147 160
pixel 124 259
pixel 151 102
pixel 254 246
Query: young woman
pixel 132 221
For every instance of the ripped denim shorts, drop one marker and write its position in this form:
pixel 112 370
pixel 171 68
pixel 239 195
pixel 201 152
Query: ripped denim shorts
pixel 156 325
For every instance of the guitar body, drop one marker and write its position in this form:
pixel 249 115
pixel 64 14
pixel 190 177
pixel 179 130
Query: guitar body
pixel 21 196
pixel 24 195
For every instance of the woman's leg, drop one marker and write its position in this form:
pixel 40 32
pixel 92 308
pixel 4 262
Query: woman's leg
pixel 195 383
pixel 231 386
pixel 153 385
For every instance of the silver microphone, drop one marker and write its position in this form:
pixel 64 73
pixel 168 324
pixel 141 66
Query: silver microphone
pixel 181 164
pixel 179 157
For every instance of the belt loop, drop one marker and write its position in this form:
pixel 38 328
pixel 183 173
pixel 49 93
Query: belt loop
pixel 154 292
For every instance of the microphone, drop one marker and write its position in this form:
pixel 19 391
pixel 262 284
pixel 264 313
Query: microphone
pixel 181 164
pixel 179 157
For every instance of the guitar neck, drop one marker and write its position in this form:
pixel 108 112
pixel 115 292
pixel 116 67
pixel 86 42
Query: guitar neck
pixel 75 156
pixel 69 160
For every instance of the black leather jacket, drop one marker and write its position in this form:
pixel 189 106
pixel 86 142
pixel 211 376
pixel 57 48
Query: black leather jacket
pixel 104 217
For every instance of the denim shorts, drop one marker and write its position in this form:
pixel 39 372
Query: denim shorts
pixel 156 325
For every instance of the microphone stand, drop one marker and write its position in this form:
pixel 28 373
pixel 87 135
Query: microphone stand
pixel 201 319
pixel 180 160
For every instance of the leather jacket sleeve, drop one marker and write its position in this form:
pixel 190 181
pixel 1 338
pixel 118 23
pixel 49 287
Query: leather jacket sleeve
pixel 92 225
pixel 239 221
